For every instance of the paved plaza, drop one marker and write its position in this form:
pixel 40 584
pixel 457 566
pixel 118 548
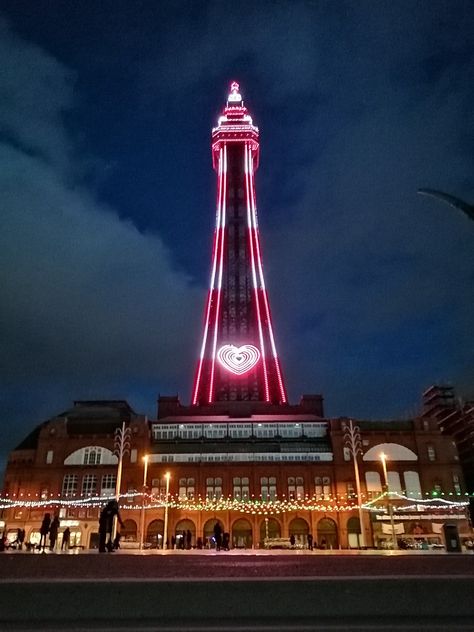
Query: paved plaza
pixel 236 590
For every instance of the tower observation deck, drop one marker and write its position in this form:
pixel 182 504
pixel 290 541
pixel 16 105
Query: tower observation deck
pixel 238 359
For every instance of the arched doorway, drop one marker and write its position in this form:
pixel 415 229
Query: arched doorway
pixel 353 532
pixel 185 534
pixel 208 532
pixel 241 534
pixel 300 529
pixel 154 534
pixel 327 534
pixel 129 531
pixel 269 528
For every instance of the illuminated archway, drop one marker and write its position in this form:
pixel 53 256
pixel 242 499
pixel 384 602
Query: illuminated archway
pixel 129 530
pixel 299 528
pixel 271 527
pixel 242 534
pixel 327 534
pixel 182 531
pixel 208 532
pixel 154 534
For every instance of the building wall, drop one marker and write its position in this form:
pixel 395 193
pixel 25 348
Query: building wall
pixel 29 474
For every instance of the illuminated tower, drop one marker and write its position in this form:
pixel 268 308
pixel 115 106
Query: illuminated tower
pixel 238 359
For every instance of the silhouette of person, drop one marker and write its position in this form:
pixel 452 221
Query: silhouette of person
pixel 292 539
pixel 218 536
pixel 310 541
pixel 189 537
pixel 106 525
pixel 66 538
pixel 226 541
pixel 44 530
pixel 53 532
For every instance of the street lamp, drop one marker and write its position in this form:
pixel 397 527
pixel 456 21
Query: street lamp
pixel 142 515
pixel 165 529
pixel 121 447
pixel 353 442
pixel 383 458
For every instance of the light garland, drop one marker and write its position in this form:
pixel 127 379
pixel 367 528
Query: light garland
pixel 246 506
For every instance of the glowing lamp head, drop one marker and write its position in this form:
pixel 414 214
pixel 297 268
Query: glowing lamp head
pixel 168 476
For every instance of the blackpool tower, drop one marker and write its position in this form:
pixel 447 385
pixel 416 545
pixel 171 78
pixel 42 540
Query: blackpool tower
pixel 238 358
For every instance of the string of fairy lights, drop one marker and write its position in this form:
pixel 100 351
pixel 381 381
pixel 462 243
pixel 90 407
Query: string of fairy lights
pixel 250 506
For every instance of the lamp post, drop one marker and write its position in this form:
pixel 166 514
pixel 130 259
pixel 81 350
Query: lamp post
pixel 383 458
pixel 165 528
pixel 121 447
pixel 353 442
pixel 142 515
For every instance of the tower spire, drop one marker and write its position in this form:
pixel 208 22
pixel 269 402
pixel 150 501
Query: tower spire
pixel 238 359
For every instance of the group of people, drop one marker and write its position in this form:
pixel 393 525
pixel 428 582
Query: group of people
pixel 50 529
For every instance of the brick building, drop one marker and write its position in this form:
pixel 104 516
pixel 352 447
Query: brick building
pixel 263 472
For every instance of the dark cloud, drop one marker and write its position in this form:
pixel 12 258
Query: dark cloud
pixel 90 305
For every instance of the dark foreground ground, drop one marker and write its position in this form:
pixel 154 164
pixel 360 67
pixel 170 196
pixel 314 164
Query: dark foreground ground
pixel 235 592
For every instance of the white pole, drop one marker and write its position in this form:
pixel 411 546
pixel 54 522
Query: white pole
pixel 383 458
pixel 165 529
pixel 142 515
pixel 353 442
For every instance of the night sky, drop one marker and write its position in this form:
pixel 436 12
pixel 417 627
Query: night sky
pixel 107 196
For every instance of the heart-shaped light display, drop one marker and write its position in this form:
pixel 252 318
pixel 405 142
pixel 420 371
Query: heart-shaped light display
pixel 238 360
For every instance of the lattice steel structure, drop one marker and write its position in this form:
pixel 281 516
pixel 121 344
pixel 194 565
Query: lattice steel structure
pixel 238 359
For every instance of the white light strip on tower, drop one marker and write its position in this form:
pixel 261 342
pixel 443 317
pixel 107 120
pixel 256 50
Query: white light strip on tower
pixel 219 282
pixel 248 178
pixel 213 276
pixel 264 291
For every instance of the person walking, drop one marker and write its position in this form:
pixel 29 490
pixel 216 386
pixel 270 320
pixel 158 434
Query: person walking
pixel 44 530
pixel 66 538
pixel 106 525
pixel 310 541
pixel 218 536
pixel 53 533
pixel 292 540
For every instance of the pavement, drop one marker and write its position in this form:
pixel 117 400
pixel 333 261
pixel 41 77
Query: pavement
pixel 236 591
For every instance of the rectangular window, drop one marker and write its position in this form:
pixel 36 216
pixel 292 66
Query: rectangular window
pixel 295 488
pixel 108 484
pixel 240 488
pixel 350 490
pixel 49 457
pixel 133 455
pixel 347 453
pixel 158 488
pixel 431 453
pixel 268 488
pixel 186 488
pixel 69 485
pixel 322 487
pixel 89 485
pixel 213 488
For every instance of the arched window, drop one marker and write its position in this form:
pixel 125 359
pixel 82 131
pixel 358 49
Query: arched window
pixel 91 455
